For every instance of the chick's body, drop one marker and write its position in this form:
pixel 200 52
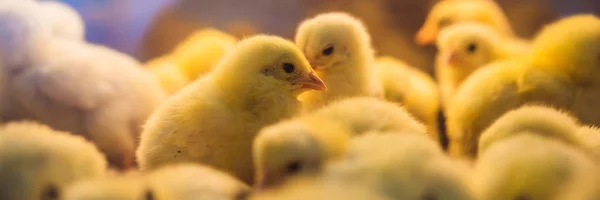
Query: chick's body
pixel 339 48
pixel 77 87
pixel 555 74
pixel 122 187
pixel 255 85
pixel 37 162
pixel 463 48
pixel 413 89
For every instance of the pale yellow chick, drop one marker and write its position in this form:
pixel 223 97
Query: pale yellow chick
pixel 465 47
pixel 402 166
pixel 561 72
pixel 214 120
pixel 117 187
pixel 303 145
pixel 413 89
pixel 449 12
pixel 167 73
pixel 339 49
pixel 37 162
pixel 529 166
pixel 191 181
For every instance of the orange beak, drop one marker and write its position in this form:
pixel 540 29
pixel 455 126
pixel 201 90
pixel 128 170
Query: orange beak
pixel 312 81
pixel 426 35
pixel 450 57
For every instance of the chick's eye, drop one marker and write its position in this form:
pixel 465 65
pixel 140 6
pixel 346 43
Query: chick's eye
pixel 471 48
pixel 50 193
pixel 288 67
pixel 429 196
pixel 521 197
pixel 293 167
pixel 148 195
pixel 328 51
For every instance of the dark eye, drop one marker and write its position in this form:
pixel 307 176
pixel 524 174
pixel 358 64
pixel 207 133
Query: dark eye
pixel 444 21
pixel 293 167
pixel 328 51
pixel 51 193
pixel 288 67
pixel 471 48
pixel 149 195
pixel 429 196
pixel 242 195
pixel 521 197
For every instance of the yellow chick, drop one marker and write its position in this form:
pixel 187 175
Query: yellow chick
pixel 338 47
pixel 257 84
pixel 528 166
pixel 402 166
pixel 37 162
pixel 194 57
pixel 191 181
pixel 304 144
pixel 543 120
pixel 464 48
pixel 116 187
pixel 302 188
pixel 414 89
pixel 449 12
pixel 590 135
pixel 560 72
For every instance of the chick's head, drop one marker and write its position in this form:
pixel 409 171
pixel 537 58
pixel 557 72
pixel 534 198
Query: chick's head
pixel 123 187
pixel 571 46
pixel 270 63
pixel 286 149
pixel 467 45
pixel 446 13
pixel 330 39
pixel 65 22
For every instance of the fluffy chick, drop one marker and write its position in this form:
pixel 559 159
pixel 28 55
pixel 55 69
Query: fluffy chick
pixel 560 72
pixel 338 47
pixel 412 88
pixel 257 84
pixel 190 181
pixel 37 162
pixel 73 86
pixel 116 187
pixel 446 13
pixel 304 144
pixel 402 166
pixel 528 166
pixel 464 48
pixel 167 73
pixel 590 135
pixel 543 120
pixel 65 21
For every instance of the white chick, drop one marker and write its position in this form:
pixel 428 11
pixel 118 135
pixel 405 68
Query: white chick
pixel 37 162
pixel 413 89
pixel 304 144
pixel 464 48
pixel 338 47
pixel 528 166
pixel 402 166
pixel 561 72
pixel 65 21
pixel 116 187
pixel 73 86
pixel 255 85
pixel 190 181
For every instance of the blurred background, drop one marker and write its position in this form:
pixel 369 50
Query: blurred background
pixel 150 28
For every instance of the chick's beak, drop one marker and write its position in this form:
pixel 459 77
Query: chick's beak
pixel 311 81
pixel 426 35
pixel 264 181
pixel 450 57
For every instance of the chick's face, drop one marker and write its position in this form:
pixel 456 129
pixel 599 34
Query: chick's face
pixel 467 50
pixel 285 152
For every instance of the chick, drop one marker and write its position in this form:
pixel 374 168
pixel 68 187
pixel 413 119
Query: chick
pixel 528 166
pixel 560 72
pixel 402 166
pixel 37 162
pixel 464 48
pixel 303 145
pixel 191 59
pixel 190 181
pixel 590 135
pixel 64 20
pixel 446 13
pixel 314 188
pixel 257 84
pixel 543 120
pixel 412 88
pixel 74 86
pixel 121 187
pixel 338 47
